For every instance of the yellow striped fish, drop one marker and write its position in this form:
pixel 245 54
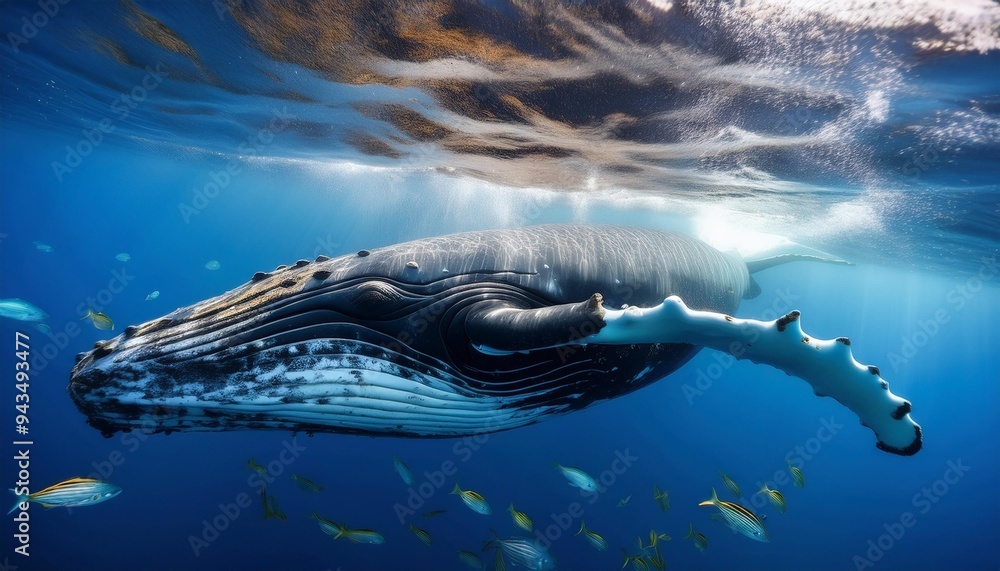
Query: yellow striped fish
pixel 471 559
pixel 699 540
pixel 593 538
pixel 797 476
pixel 654 538
pixel 738 518
pixel 72 493
pixel 520 518
pixel 662 499
pixel 730 484
pixel 306 484
pixel 100 321
pixel 328 527
pixel 776 498
pixel 270 503
pixel 421 534
pixel 499 565
pixel 474 500
pixel 360 535
pixel 638 563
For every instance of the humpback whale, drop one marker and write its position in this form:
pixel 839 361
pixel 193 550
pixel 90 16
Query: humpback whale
pixel 460 334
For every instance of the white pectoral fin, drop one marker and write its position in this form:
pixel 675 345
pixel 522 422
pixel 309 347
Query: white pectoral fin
pixel 827 365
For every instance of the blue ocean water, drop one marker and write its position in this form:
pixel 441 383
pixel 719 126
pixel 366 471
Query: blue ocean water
pixel 268 132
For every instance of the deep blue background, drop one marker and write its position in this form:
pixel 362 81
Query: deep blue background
pixel 746 423
pixel 930 227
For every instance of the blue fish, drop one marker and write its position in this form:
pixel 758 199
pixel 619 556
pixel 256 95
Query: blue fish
pixel 21 310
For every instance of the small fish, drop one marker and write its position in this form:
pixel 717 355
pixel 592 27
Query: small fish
pixel 421 534
pixel 403 470
pixel 699 540
pixel 654 538
pixel 72 493
pixel 43 247
pixel 361 536
pixel 256 467
pixel 577 477
pixel 738 518
pixel 656 560
pixel 153 295
pixel 272 506
pixel 527 553
pixel 16 308
pixel 306 484
pixel 471 559
pixel 123 257
pixel 100 321
pixel 498 564
pixel 520 518
pixel 328 527
pixel 638 563
pixel 730 484
pixel 624 501
pixel 797 476
pixel 433 513
pixel 474 500
pixel 593 537
pixel 212 265
pixel 662 499
pixel 270 503
pixel 777 498
pixel 43 327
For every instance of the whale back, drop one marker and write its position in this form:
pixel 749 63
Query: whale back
pixel 567 263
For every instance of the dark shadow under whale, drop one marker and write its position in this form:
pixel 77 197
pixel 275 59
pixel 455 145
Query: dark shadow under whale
pixel 457 335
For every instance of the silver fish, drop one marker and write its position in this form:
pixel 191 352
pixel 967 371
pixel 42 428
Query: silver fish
pixel 738 518
pixel 524 552
pixel 16 308
pixel 403 470
pixel 72 493
pixel 577 477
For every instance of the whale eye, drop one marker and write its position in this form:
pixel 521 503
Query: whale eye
pixel 376 298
